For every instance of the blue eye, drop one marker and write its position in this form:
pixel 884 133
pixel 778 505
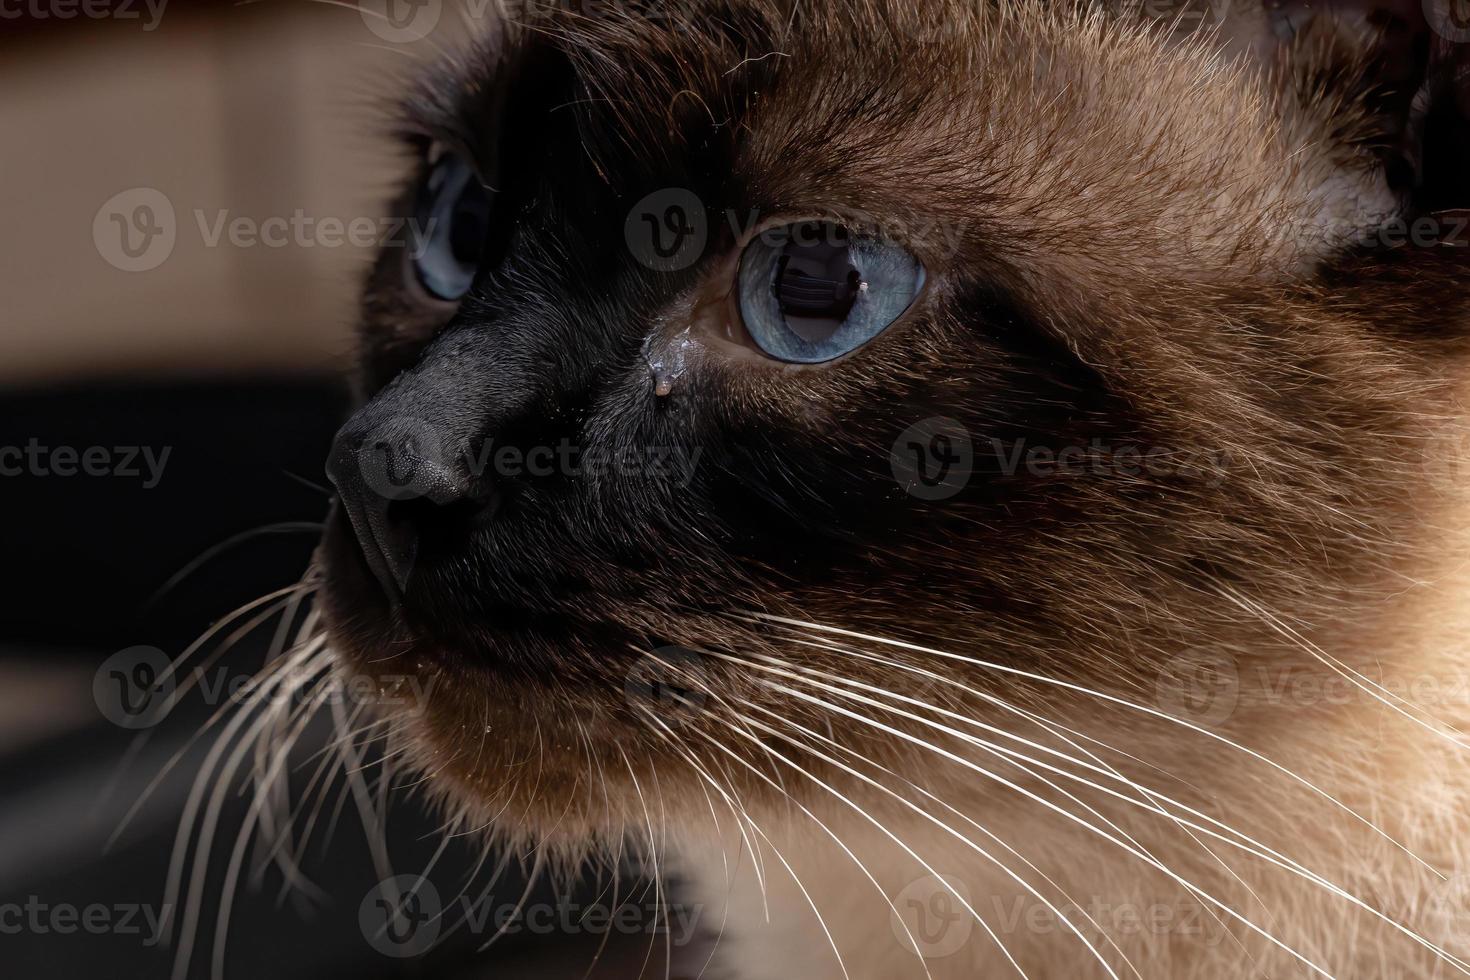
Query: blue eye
pixel 813 291
pixel 452 216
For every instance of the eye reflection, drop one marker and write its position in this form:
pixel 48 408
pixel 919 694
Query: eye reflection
pixel 452 215
pixel 812 291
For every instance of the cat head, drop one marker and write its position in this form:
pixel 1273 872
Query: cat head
pixel 748 354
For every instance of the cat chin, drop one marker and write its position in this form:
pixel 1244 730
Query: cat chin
pixel 534 779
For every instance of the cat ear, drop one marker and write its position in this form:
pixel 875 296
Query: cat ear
pixel 1378 91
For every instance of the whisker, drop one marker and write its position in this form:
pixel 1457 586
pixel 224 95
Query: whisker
pixel 984 924
pixel 847 750
pixel 1015 787
pixel 1372 688
pixel 821 921
pixel 374 816
pixel 180 691
pixel 1067 735
pixel 282 527
pixel 212 810
pixel 1030 889
pixel 668 737
pixel 1251 846
pixel 1112 699
pixel 532 879
pixel 652 843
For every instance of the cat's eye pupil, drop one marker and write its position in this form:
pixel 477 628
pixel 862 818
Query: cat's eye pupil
pixel 812 291
pixel 467 232
pixel 453 214
pixel 815 281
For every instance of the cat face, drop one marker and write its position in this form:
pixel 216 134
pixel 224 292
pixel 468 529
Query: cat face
pixel 1034 337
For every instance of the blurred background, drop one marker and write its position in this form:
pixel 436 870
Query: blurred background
pixel 192 193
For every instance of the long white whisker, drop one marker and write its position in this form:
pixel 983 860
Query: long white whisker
pixel 1070 737
pixel 258 722
pixel 1010 873
pixel 178 693
pixel 848 750
pixel 1015 787
pixel 264 783
pixel 891 836
pixel 1372 688
pixel 668 737
pixel 264 682
pixel 532 877
pixel 1251 846
pixel 1111 699
pixel 811 903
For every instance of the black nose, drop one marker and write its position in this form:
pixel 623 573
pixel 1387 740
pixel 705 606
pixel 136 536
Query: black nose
pixel 394 476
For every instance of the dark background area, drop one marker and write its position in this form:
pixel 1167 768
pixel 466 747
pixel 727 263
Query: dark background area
pixel 88 556
pixel 244 459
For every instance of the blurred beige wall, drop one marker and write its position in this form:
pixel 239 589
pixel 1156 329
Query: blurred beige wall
pixel 268 112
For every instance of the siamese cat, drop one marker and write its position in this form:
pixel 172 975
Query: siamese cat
pixel 971 489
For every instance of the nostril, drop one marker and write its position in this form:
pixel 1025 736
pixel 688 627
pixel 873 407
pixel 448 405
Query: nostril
pixel 398 471
pixel 397 485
